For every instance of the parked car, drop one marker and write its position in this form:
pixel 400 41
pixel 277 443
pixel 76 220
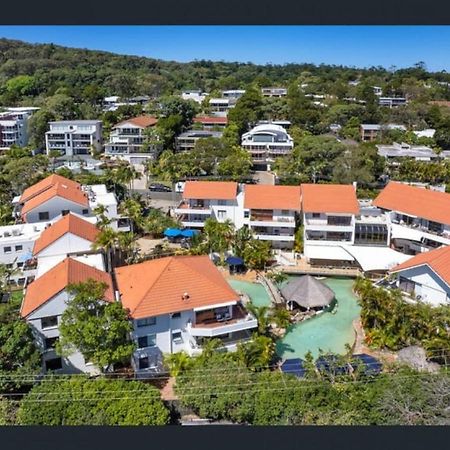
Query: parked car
pixel 158 187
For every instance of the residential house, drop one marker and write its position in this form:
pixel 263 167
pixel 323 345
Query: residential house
pixel 371 132
pixel 220 200
pixel 426 277
pixel 194 94
pixel 211 122
pixel 44 303
pixel 127 140
pixel 392 102
pixel 267 142
pixel 220 106
pixel 74 137
pixel 271 213
pixel 71 235
pixel 274 92
pixel 176 304
pixel 233 93
pixel 420 218
pixel 377 91
pixel 427 133
pixel 186 141
pixel 416 152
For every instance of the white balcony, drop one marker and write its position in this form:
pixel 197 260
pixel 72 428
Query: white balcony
pixel 275 237
pixel 330 228
pixel 285 222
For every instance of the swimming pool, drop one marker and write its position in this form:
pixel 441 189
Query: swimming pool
pixel 328 332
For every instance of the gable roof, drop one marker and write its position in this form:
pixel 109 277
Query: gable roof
pixel 438 260
pixel 140 121
pixel 415 201
pixel 211 120
pixel 329 198
pixel 214 190
pixel 75 195
pixel 157 287
pixel 272 197
pixel 45 184
pixel 57 279
pixel 67 224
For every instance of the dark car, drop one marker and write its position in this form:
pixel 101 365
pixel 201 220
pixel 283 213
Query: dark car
pixel 157 187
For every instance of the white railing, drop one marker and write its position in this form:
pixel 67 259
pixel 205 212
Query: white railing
pixel 239 325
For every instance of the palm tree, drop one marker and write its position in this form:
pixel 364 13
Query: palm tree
pixel 126 174
pixel 280 316
pixel 126 243
pixel 133 210
pixel 261 315
pixel 177 363
pixel 103 220
pixel 256 354
pixel 219 236
pixel 241 238
pixel 107 241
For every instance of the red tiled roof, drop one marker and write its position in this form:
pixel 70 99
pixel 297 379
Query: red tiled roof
pixel 438 260
pixel 67 224
pixel 45 184
pixel 140 121
pixel 211 120
pixel 213 190
pixel 415 201
pixel 272 197
pixel 57 279
pixel 75 195
pixel 157 287
pixel 329 198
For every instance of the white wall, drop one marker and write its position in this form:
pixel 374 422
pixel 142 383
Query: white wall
pixel 432 289
pixel 54 206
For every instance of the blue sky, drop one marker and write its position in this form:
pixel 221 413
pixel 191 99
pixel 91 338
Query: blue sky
pixel 360 46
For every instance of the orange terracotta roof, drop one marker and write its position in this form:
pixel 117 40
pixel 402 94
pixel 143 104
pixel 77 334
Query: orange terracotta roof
pixel 57 279
pixel 140 121
pixel 415 201
pixel 438 260
pixel 75 195
pixel 67 224
pixel 329 198
pixel 45 184
pixel 211 120
pixel 272 197
pixel 156 287
pixel 214 190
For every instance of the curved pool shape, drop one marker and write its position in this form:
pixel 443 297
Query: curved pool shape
pixel 257 292
pixel 328 332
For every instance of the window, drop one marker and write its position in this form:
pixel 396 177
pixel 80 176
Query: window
pixel 20 265
pixel 316 215
pixel 7 249
pixel 44 215
pixel 19 248
pixel 143 362
pixel 53 364
pixel 147 341
pixel 176 315
pixel 49 322
pixel 284 212
pixel 146 322
pixel 50 342
pixel 85 212
pixel 246 214
pixel 64 212
pixel 221 202
pixel 221 214
pixel 177 337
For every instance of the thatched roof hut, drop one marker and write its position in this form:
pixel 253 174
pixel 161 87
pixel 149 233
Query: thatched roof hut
pixel 307 292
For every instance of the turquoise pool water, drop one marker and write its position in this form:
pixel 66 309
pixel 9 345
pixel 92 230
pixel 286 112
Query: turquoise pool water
pixel 329 332
pixel 257 293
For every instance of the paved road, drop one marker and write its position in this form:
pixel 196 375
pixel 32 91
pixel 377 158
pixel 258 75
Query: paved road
pixel 264 177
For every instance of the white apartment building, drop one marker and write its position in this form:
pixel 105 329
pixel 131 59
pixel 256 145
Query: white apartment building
pixel 267 142
pixel 220 106
pixel 44 303
pixel 182 301
pixel 74 137
pixel 271 213
pixel 194 94
pixel 274 92
pixel 127 140
pixel 220 200
pixel 419 217
pixel 416 152
pixel 392 102
pixel 14 127
pixel 233 93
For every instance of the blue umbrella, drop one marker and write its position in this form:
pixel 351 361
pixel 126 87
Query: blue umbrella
pixel 294 366
pixel 172 232
pixel 234 261
pixel 189 233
